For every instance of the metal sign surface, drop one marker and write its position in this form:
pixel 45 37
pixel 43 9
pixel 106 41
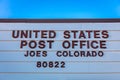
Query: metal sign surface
pixel 62 49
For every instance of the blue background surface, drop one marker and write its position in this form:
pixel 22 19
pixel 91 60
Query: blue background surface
pixel 59 8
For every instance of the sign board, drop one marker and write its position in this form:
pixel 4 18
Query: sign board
pixel 68 49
